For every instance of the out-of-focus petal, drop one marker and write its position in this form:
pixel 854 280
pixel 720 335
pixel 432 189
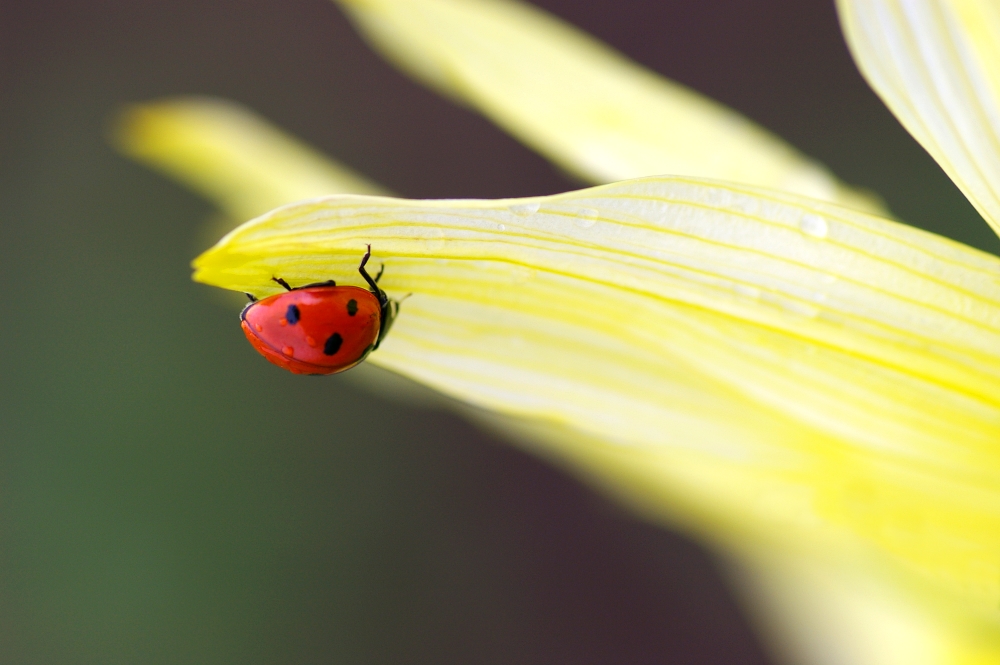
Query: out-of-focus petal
pixel 936 64
pixel 246 166
pixel 809 612
pixel 755 364
pixel 231 155
pixel 578 102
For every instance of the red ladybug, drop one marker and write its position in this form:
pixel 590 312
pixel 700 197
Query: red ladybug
pixel 320 328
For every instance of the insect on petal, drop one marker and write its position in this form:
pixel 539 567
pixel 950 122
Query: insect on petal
pixel 753 364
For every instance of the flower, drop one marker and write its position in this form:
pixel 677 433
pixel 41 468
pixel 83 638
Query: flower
pixel 744 350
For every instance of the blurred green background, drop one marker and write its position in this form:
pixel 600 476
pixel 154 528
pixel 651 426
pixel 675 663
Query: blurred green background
pixel 167 496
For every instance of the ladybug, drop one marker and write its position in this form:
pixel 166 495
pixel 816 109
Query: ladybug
pixel 320 328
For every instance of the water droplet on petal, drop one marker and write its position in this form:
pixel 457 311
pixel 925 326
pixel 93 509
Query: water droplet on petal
pixel 501 227
pixel 813 226
pixel 524 209
pixel 586 218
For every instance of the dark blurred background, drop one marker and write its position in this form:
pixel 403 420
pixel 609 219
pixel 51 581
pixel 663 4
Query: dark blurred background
pixel 166 496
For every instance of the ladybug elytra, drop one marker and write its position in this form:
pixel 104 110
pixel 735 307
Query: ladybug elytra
pixel 320 328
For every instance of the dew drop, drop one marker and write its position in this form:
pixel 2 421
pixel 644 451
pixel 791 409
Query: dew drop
pixel 524 209
pixel 283 321
pixel 310 341
pixel 288 351
pixel 501 227
pixel 586 218
pixel 813 226
pixel 258 327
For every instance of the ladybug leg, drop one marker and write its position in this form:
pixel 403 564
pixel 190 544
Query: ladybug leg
pixel 282 282
pixel 368 278
pixel 381 269
pixel 250 297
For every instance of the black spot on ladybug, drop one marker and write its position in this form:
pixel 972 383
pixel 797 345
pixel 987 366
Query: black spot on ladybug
pixel 352 307
pixel 292 315
pixel 333 343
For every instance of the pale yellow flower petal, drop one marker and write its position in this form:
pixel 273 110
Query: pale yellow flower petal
pixel 936 64
pixel 830 615
pixel 581 104
pixel 232 156
pixel 754 365
pixel 246 166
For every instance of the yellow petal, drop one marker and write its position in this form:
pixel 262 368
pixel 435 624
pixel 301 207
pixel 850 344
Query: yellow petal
pixel 753 365
pixel 578 102
pixel 936 65
pixel 828 616
pixel 232 156
pixel 246 166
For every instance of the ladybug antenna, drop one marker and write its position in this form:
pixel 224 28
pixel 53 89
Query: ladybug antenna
pixel 282 282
